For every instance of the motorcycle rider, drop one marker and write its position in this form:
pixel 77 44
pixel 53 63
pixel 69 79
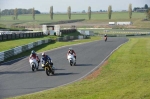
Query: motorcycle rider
pixel 46 58
pixel 105 36
pixel 71 51
pixel 34 55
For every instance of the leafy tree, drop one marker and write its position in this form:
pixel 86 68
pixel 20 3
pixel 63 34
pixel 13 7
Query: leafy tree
pixel 83 11
pixel 19 11
pixel 69 12
pixel 146 6
pixel 130 11
pixel 109 11
pixel 15 14
pixel 0 13
pixel 148 14
pixel 89 12
pixel 51 12
pixel 33 14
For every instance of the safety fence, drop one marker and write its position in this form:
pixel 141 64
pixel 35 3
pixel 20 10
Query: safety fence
pixel 125 35
pixel 67 38
pixel 20 35
pixel 19 49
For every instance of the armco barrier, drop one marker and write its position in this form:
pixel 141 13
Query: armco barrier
pixel 19 35
pixel 8 53
pixel 24 48
pixel 67 38
pixel 17 50
pixel 1 56
pixel 14 51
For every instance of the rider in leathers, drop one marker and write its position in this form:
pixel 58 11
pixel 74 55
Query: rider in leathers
pixel 34 55
pixel 46 58
pixel 71 51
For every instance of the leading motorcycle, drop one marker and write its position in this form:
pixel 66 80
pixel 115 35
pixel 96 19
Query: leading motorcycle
pixel 48 67
pixel 105 38
pixel 71 59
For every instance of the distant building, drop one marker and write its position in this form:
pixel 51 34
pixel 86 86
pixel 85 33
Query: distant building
pixel 124 23
pixel 120 23
pixel 111 23
pixel 141 10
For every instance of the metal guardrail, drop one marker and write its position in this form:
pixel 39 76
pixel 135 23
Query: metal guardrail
pixel 19 35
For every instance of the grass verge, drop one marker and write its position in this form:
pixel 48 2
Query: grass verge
pixel 125 76
pixel 9 44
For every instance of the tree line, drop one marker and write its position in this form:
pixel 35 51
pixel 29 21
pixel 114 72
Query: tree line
pixel 19 11
pixel 32 11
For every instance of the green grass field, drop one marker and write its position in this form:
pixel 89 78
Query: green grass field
pixel 96 18
pixel 125 75
pixel 58 17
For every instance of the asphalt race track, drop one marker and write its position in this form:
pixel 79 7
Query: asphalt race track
pixel 16 77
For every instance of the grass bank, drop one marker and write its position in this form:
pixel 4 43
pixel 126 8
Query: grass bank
pixel 9 44
pixel 125 75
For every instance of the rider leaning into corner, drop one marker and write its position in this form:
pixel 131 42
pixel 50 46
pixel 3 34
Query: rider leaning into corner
pixel 71 51
pixel 34 55
pixel 46 58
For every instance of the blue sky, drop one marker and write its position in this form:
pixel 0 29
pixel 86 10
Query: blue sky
pixel 76 5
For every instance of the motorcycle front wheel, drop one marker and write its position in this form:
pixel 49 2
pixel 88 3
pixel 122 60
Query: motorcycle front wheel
pixel 33 68
pixel 71 63
pixel 47 71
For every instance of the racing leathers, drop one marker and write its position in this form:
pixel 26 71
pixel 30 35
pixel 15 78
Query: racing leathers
pixel 71 52
pixel 46 58
pixel 34 56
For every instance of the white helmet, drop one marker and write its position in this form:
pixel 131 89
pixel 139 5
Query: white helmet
pixel 70 48
pixel 43 54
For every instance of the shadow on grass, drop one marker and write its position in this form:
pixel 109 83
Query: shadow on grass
pixel 24 55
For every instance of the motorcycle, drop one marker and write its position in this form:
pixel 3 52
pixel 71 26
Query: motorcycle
pixel 105 39
pixel 71 59
pixel 48 67
pixel 34 64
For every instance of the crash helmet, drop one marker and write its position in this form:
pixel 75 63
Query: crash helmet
pixel 70 48
pixel 32 52
pixel 43 54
